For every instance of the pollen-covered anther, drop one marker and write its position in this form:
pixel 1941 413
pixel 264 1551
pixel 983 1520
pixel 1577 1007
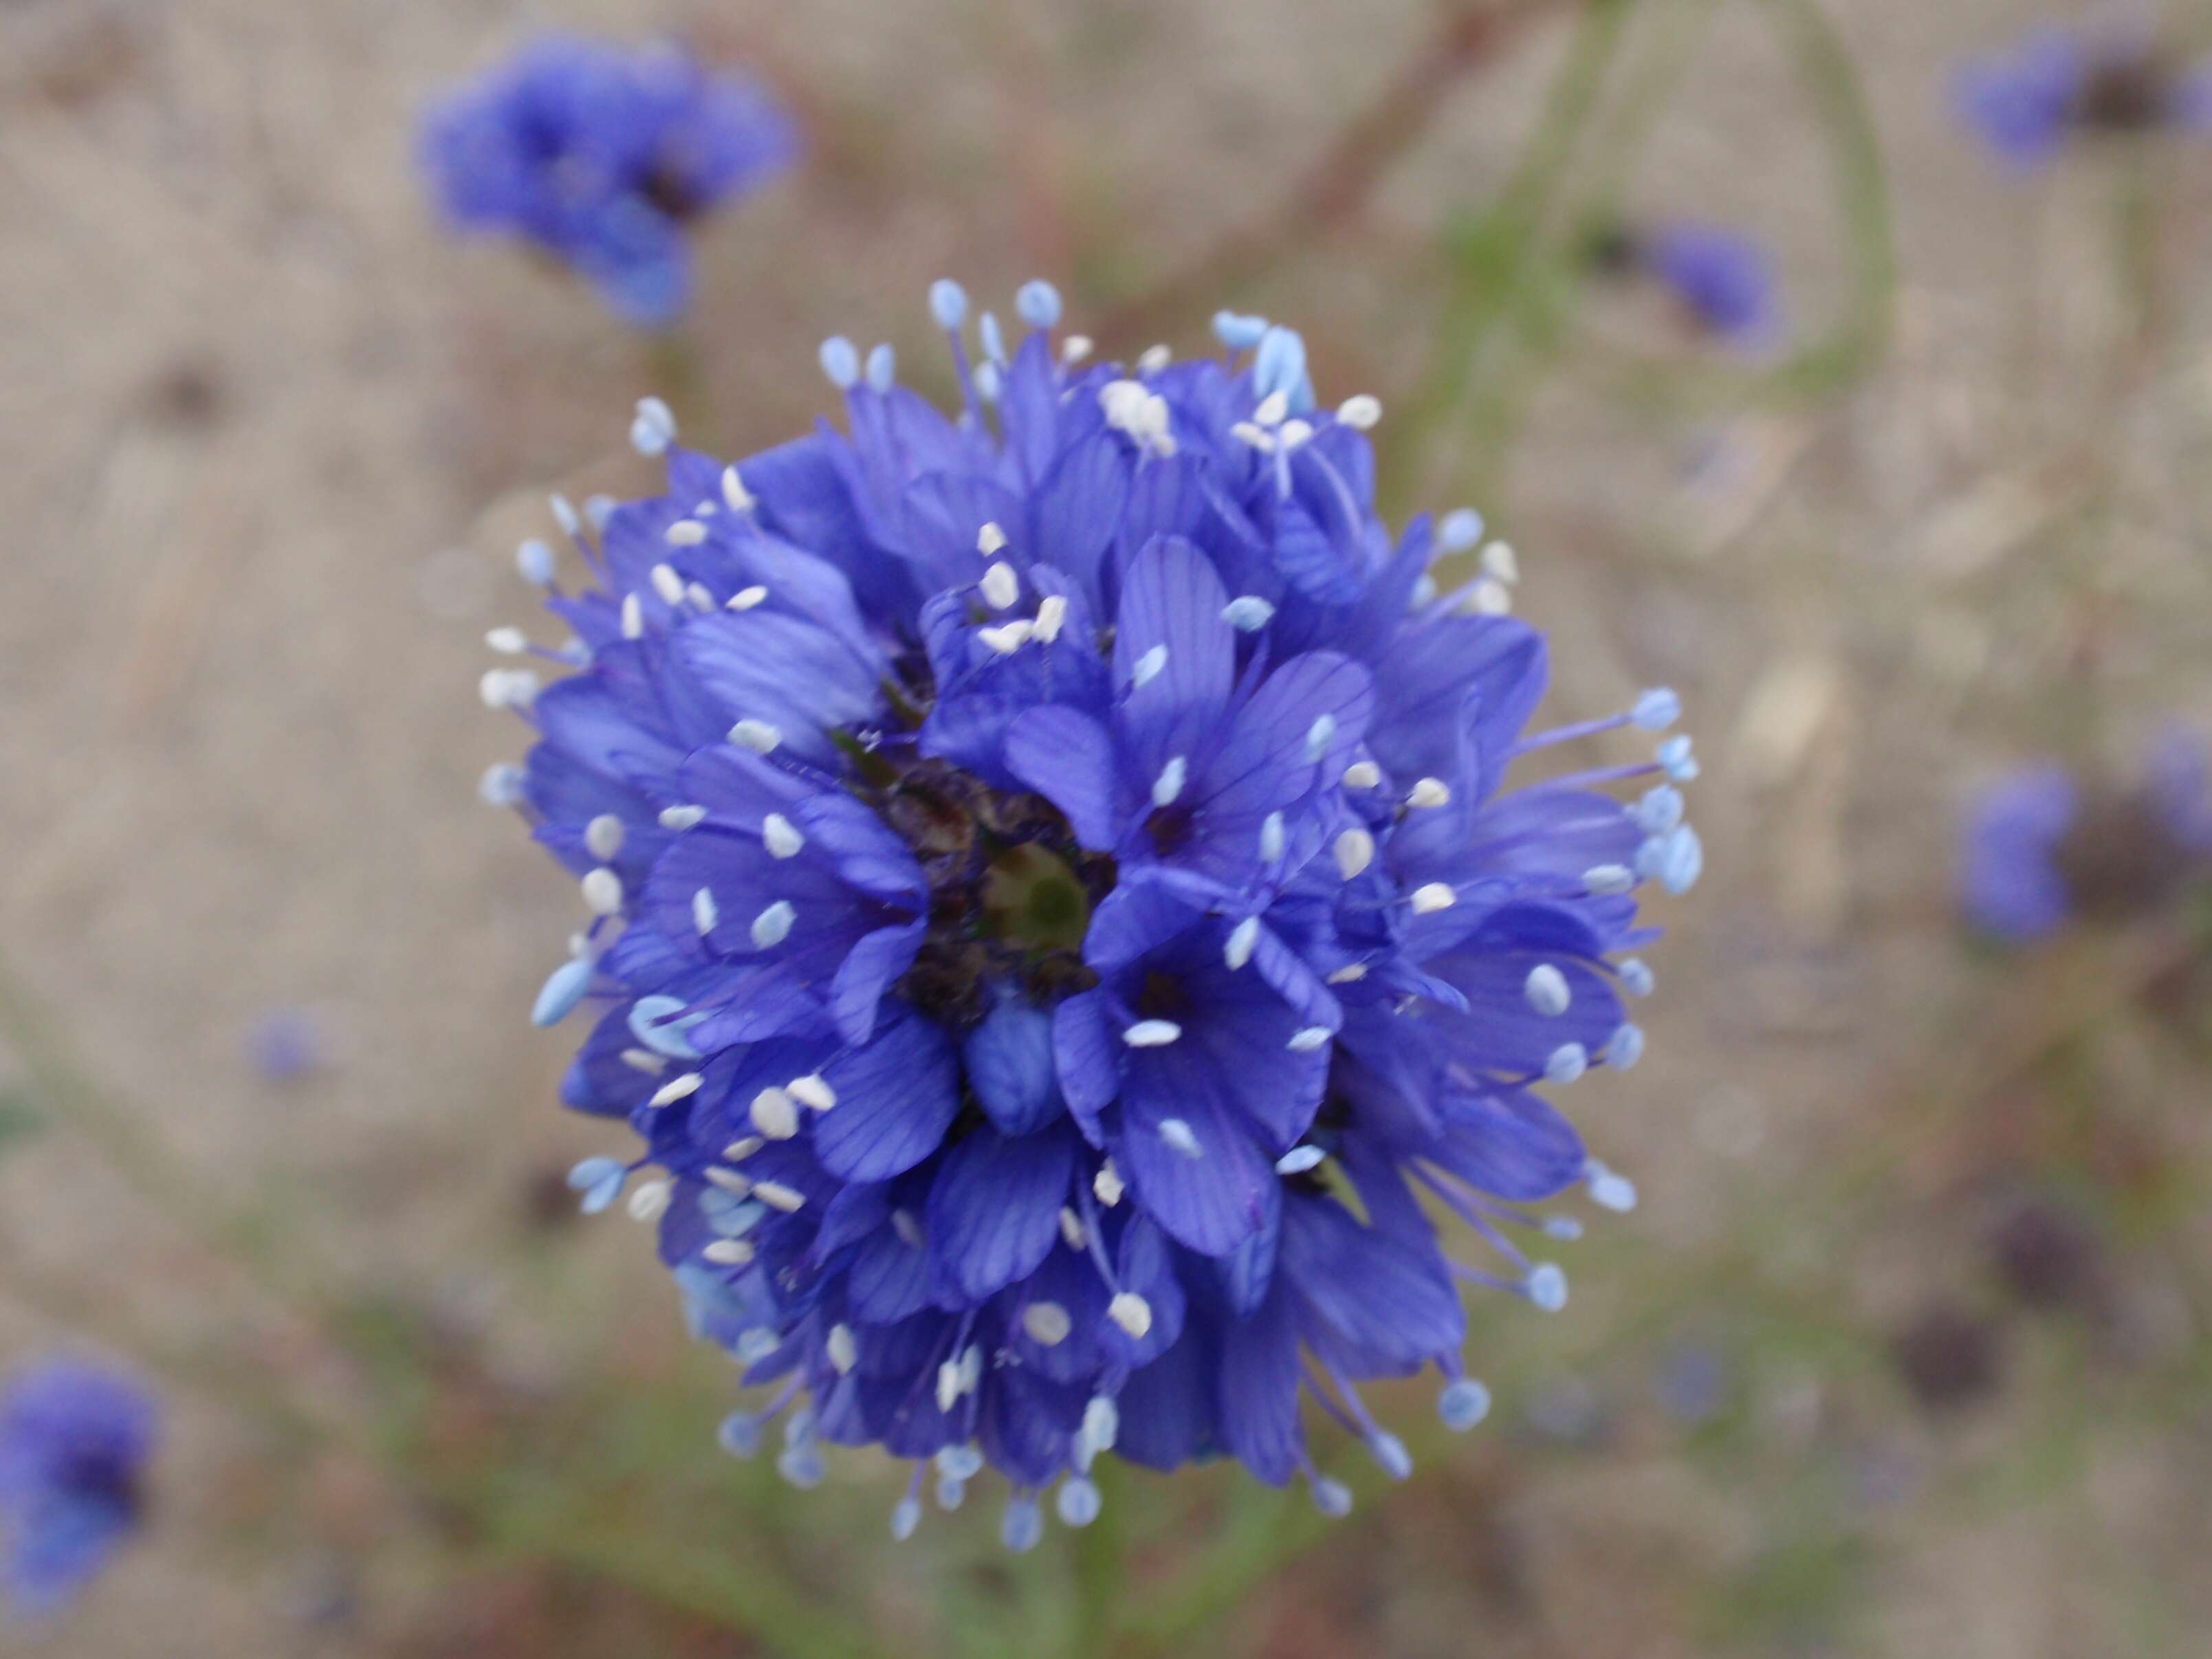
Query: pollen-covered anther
pixel 1308 1038
pixel 685 533
pixel 508 641
pixel 1132 1313
pixel 735 495
pixel 1147 667
pixel 1007 638
pixel 1167 788
pixel 602 891
pixel 676 1089
pixel 1355 851
pixel 774 1114
pixel 906 1226
pixel 1360 411
pixel 1181 1138
pixel 633 617
pixel 648 1200
pixel 654 429
pixel 1151 1034
pixel 508 687
pixel 990 540
pixel 777 1196
pixel 533 561
pixel 1361 774
pixel 1318 736
pixel 733 1181
pixel 729 1253
pixel 603 836
pixel 1243 939
pixel 1051 617
pixel 759 735
pixel 781 837
pixel 744 1147
pixel 842 1349
pixel 1566 1063
pixel 746 598
pixel 1247 613
pixel 1547 991
pixel 1299 1159
pixel 1500 563
pixel 1075 348
pixel 1432 896
pixel 1108 1185
pixel 1428 792
pixel 1350 974
pixel 1608 879
pixel 1547 1286
pixel 1048 1323
pixel 1271 409
pixel 811 1091
pixel 1001 587
pixel 1272 837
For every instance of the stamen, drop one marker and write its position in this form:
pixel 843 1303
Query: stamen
pixel 811 1091
pixel 842 1349
pixel 1360 412
pixel 1022 1526
pixel 840 362
pixel 1151 1034
pixel 883 368
pixel 746 598
pixel 1547 991
pixel 654 428
pixel 1271 838
pixel 1355 851
pixel 649 1201
pixel 948 303
pixel 563 990
pixel 735 495
pixel 1037 304
pixel 1318 736
pixel 1243 940
pixel 907 1226
pixel 1609 1191
pixel 706 915
pixel 1247 613
pixel 1567 1063
pixel 602 891
pixel 1430 792
pixel 533 561
pixel 503 784
pixel 1071 1228
pixel 1657 710
pixel 1132 1313
pixel 684 533
pixel 633 617
pixel 1051 617
pixel 1350 974
pixel 1074 348
pixel 676 1089
pixel 1008 637
pixel 1547 1286
pixel 781 837
pixel 1432 896
pixel 1308 1038
pixel 508 687
pixel 1107 1184
pixel 989 540
pixel 1001 587
pixel 759 736
pixel 1148 666
pixel 1606 879
pixel 1299 1159
pixel 1460 530
pixel 1077 1502
pixel 645 1060
pixel 1048 1323
pixel 1181 1137
pixel 680 818
pixel 1635 978
pixel 1625 1047
pixel 774 1114
pixel 1463 1403
pixel 1361 774
pixel 777 1196
pixel 773 926
pixel 729 1253
pixel 1169 785
pixel 508 641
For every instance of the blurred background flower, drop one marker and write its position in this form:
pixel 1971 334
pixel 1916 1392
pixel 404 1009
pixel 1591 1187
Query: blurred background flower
pixel 75 1441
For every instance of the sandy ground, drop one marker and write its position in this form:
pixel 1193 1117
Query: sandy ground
pixel 270 439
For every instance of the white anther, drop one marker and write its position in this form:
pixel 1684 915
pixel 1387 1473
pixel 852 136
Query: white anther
pixel 1154 358
pixel 1001 587
pixel 1007 637
pixel 1051 617
pixel 730 1181
pixel 1546 1285
pixel 676 1089
pixel 680 818
pixel 1433 897
pixel 685 533
pixel 1272 835
pixel 508 641
pixel 645 1060
pixel 1355 851
pixel 1243 940
pixel 907 1226
pixel 1298 1160
pixel 1609 1191
pixel 1169 785
pixel 813 1091
pixel 759 735
pixel 654 428
pixel 564 515
pixel 1148 666
pixel 648 1202
pixel 773 926
pixel 706 915
pixel 746 598
pixel 1248 432
pixel 1547 990
pixel 1291 434
pixel 1108 1185
pixel 1273 408
pixel 1605 879
pixel 1247 613
pixel 1635 978
pixel 1566 1063
pixel 739 498
pixel 1308 1038
pixel 1132 1313
pixel 602 891
pixel 843 1349
pixel 1424 593
pixel 508 687
pixel 1350 974
pixel 1047 1323
pixel 1430 792
pixel 1075 348
pixel 1488 598
pixel 1071 1228
pixel 729 1253
pixel 1181 1137
pixel 1151 1034
pixel 603 836
pixel 743 1148
pixel 989 540
pixel 633 617
pixel 777 1196
pixel 1499 563
pixel 1361 774
pixel 1360 412
pixel 781 837
pixel 1318 736
pixel 668 584
pixel 533 560
pixel 774 1114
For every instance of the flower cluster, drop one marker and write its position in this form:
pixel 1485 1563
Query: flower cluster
pixel 1057 918
pixel 1722 281
pixel 2025 104
pixel 2042 847
pixel 602 156
pixel 74 1445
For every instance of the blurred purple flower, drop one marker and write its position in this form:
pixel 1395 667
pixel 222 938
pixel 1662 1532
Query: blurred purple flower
pixel 1723 278
pixel 2026 104
pixel 2040 846
pixel 603 155
pixel 73 1444
pixel 288 1044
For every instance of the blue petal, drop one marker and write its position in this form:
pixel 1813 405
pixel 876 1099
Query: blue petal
pixel 896 1098
pixel 994 1209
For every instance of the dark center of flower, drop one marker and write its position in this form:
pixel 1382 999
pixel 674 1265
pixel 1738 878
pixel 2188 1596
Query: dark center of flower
pixel 1010 890
pixel 2126 95
pixel 2119 858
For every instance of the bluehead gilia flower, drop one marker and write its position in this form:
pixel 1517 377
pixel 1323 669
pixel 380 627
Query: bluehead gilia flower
pixel 2042 847
pixel 1059 918
pixel 603 156
pixel 2057 84
pixel 1722 281
pixel 75 1441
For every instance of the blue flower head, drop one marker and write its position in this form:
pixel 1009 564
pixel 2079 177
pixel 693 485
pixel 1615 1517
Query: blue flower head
pixel 74 1445
pixel 602 155
pixel 2040 846
pixel 1059 920
pixel 2025 104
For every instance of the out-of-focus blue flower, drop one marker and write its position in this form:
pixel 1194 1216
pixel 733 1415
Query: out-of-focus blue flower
pixel 1059 918
pixel 287 1045
pixel 603 155
pixel 2027 103
pixel 73 1444
pixel 1723 278
pixel 2040 846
